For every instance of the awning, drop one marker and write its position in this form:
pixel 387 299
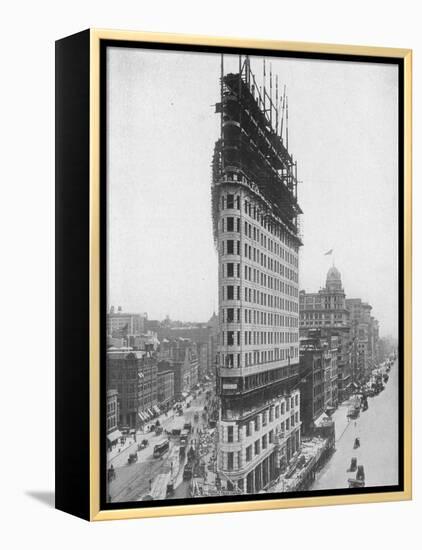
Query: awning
pixel 320 420
pixel 150 412
pixel 141 416
pixel 156 409
pixel 113 436
pixel 184 394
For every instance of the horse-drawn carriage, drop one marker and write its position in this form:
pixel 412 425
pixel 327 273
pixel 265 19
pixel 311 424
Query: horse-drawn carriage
pixel 359 481
pixel 353 465
pixel 133 457
pixel 143 444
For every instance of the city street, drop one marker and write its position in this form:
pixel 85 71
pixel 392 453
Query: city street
pixel 377 429
pixel 133 481
pixel 182 486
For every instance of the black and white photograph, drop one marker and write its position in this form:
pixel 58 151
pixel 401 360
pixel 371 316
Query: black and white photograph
pixel 252 321
pixel 208 220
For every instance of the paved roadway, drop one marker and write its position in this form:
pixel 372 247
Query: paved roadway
pixel 133 481
pixel 182 489
pixel 377 429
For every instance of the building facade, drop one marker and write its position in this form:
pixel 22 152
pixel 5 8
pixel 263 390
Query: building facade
pixel 203 359
pixel 318 378
pixel 181 357
pixel 165 383
pixel 365 339
pixel 148 376
pixel 122 375
pixel 203 335
pixel 124 325
pixel 331 371
pixel 374 342
pixel 256 447
pixel 148 341
pixel 113 433
pixel 134 375
pixel 312 383
pixel 326 311
pixel 255 216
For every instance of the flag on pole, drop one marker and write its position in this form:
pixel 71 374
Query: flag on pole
pixel 329 252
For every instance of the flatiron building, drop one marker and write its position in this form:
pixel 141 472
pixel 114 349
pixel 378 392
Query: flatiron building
pixel 256 232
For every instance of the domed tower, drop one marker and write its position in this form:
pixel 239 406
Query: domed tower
pixel 333 282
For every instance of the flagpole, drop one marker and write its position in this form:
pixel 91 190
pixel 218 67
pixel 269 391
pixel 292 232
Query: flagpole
pixel 331 253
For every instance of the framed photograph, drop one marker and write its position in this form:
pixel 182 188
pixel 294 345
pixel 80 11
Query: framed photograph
pixel 233 276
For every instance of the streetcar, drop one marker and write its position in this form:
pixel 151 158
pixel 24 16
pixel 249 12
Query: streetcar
pixel 161 448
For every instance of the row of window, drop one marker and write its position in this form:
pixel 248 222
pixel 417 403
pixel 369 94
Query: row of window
pixel 232 270
pixel 122 373
pixel 257 338
pixel 256 317
pixel 254 296
pixel 269 438
pixel 232 225
pixel 255 213
pixel 255 255
pixel 231 292
pixel 252 358
pixel 320 315
pixel 111 422
pixel 254 234
pixel 261 443
pixel 133 390
pixel 314 323
pixel 232 247
pixel 258 446
pixel 230 201
pixel 273 283
pixel 317 307
pixel 262 419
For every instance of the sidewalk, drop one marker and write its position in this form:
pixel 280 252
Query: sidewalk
pixel 119 449
pixel 341 419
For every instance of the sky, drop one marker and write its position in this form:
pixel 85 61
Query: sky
pixel 161 131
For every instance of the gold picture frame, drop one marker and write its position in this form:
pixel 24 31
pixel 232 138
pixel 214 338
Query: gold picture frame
pixel 92 508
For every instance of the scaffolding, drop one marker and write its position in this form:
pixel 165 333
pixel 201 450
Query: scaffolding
pixel 253 147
